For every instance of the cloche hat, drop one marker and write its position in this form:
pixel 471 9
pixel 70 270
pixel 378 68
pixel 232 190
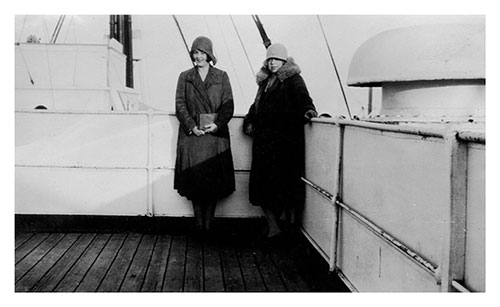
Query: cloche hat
pixel 204 44
pixel 277 51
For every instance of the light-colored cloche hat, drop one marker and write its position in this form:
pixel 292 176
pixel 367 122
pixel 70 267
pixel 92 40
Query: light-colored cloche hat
pixel 204 44
pixel 277 51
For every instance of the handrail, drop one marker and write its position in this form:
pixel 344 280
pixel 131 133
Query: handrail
pixel 422 131
pixel 472 136
pixel 406 251
pixel 457 286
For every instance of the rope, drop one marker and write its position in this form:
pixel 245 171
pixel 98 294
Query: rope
pixel 230 58
pixel 56 28
pixel 22 29
pixel 26 65
pixel 182 35
pixel 70 27
pixel 242 45
pixel 59 29
pixel 335 67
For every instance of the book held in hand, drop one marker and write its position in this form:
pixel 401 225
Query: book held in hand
pixel 206 119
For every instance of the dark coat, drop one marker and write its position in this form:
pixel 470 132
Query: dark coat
pixel 277 117
pixel 204 165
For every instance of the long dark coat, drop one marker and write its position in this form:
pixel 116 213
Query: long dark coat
pixel 204 165
pixel 277 116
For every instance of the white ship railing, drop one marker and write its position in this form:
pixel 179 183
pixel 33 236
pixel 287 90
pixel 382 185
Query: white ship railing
pixel 450 271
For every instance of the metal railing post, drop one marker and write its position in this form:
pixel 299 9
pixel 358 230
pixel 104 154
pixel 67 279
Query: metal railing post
pixel 150 164
pixel 453 247
pixel 338 193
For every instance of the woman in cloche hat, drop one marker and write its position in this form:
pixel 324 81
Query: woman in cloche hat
pixel 276 121
pixel 204 171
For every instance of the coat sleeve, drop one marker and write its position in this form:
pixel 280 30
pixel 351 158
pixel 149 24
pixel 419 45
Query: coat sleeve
pixel 226 109
pixel 181 110
pixel 301 94
pixel 249 120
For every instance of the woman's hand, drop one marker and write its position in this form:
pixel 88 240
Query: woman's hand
pixel 248 129
pixel 310 114
pixel 197 131
pixel 210 128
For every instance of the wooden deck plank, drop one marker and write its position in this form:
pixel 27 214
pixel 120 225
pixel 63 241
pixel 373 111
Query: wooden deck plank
pixel 153 281
pixel 95 275
pixel 116 273
pixel 135 276
pixel 193 276
pixel 21 238
pixel 174 277
pixel 59 270
pixel 28 281
pixel 31 244
pixel 288 272
pixel 213 281
pixel 74 276
pixel 36 254
pixel 268 271
pixel 251 275
pixel 233 280
pixel 133 262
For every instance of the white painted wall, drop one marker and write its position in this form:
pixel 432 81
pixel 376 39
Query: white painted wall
pixel 98 164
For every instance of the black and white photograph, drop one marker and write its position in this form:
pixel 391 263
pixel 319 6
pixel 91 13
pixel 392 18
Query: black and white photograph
pixel 248 151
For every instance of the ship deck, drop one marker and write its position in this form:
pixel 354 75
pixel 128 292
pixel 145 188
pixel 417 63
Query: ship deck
pixel 167 260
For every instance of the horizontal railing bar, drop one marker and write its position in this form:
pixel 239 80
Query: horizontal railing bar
pixel 455 284
pixel 406 251
pixel 422 131
pixel 472 136
pixel 84 112
pixel 82 167
pixel 75 88
pixel 110 167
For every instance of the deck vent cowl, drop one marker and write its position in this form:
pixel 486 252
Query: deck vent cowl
pixel 427 72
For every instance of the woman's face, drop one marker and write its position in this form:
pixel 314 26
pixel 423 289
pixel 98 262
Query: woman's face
pixel 274 64
pixel 200 58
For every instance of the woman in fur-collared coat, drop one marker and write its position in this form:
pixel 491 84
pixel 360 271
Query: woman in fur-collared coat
pixel 276 121
pixel 204 106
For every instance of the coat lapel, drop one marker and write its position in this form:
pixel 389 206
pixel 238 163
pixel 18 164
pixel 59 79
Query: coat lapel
pixel 195 79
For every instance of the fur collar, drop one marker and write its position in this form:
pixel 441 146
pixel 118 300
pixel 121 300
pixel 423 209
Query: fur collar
pixel 286 71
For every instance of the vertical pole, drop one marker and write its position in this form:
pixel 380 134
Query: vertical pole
pixel 337 191
pixel 150 209
pixel 127 50
pixel 370 101
pixel 453 248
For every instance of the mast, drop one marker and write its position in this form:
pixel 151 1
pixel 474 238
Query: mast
pixel 265 40
pixel 127 50
pixel 120 28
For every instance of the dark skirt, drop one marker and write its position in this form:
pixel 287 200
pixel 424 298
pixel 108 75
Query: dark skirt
pixel 277 168
pixel 204 167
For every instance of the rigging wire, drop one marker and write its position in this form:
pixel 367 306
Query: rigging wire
pixel 45 27
pixel 182 35
pixel 231 58
pixel 48 64
pixel 22 53
pixel 70 27
pixel 26 64
pixel 57 29
pixel 242 45
pixel 22 29
pixel 60 27
pixel 335 67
